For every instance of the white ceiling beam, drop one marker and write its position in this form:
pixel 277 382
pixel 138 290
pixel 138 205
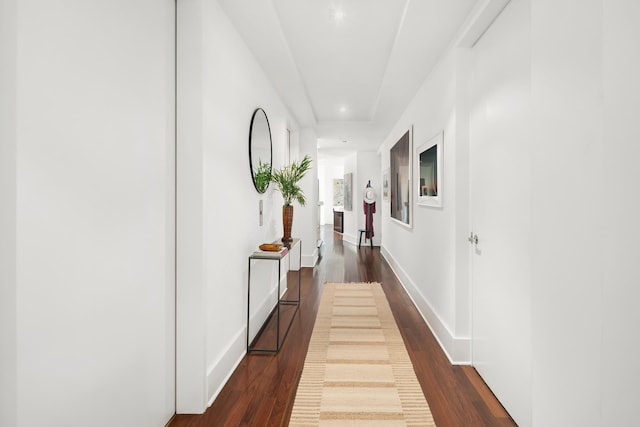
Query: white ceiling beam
pixel 479 21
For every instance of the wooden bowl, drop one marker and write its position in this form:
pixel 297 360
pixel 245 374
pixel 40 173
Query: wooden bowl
pixel 273 247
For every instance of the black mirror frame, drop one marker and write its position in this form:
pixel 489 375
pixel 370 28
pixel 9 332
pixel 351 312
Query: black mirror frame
pixel 253 178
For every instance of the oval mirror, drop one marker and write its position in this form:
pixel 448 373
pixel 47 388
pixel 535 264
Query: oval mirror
pixel 260 151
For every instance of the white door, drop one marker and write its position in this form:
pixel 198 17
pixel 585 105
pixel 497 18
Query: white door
pixel 500 210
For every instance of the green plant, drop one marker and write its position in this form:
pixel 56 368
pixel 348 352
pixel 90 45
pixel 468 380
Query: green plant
pixel 262 176
pixel 286 180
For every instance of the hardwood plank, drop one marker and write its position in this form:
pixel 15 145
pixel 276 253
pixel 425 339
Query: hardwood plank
pixel 485 393
pixel 261 390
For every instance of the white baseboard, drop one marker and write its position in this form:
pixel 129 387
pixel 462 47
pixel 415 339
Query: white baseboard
pixel 220 371
pixel 310 260
pixel 265 307
pixel 457 349
pixel 349 238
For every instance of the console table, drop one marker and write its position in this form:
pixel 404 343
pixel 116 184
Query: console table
pixel 295 245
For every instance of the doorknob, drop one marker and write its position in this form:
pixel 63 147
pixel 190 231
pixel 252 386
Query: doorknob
pixel 473 238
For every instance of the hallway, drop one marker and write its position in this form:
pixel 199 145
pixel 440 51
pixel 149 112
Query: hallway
pixel 262 389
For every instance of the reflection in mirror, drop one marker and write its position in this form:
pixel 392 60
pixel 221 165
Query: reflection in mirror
pixel 260 150
pixel 400 167
pixel 429 167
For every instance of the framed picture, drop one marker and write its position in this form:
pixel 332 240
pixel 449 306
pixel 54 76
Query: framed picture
pixel 428 166
pixel 385 185
pixel 338 192
pixel 348 191
pixel 400 179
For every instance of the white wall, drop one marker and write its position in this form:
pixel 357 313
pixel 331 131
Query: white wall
pixel 305 218
pixel 220 85
pixel 93 181
pixel 368 170
pixel 8 361
pixel 566 247
pixel 364 166
pixel 567 88
pixel 584 251
pixel 581 247
pixel 583 231
pixel 620 290
pixel 191 389
pixel 350 219
pixel 328 171
pixel 431 258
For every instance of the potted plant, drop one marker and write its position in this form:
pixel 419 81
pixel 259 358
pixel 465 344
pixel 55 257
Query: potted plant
pixel 286 180
pixel 262 176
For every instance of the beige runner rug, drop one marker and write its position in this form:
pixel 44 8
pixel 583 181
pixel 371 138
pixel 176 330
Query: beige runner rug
pixel 357 371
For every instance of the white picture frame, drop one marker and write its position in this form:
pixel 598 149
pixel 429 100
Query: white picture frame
pixel 401 176
pixel 428 166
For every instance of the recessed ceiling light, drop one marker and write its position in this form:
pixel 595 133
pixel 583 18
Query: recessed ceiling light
pixel 343 109
pixel 338 15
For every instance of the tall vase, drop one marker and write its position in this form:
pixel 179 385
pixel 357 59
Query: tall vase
pixel 287 221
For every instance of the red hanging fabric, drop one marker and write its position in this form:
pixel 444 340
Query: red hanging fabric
pixel 369 210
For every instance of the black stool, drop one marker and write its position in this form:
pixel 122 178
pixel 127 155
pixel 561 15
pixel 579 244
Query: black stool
pixel 365 239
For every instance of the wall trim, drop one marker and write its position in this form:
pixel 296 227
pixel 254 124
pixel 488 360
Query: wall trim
pixel 480 19
pixel 310 260
pixel 191 368
pixel 457 349
pixel 265 307
pixel 222 369
pixel 349 238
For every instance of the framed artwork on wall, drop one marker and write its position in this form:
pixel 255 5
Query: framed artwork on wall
pixel 385 185
pixel 338 192
pixel 428 166
pixel 400 179
pixel 348 191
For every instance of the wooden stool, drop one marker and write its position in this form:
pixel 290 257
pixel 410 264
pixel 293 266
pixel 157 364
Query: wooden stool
pixel 365 239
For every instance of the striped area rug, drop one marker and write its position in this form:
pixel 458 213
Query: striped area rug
pixel 357 371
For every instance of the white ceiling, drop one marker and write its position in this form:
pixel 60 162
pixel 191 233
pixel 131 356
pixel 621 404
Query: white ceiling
pixel 350 78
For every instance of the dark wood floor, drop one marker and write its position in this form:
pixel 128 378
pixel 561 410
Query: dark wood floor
pixel 262 389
